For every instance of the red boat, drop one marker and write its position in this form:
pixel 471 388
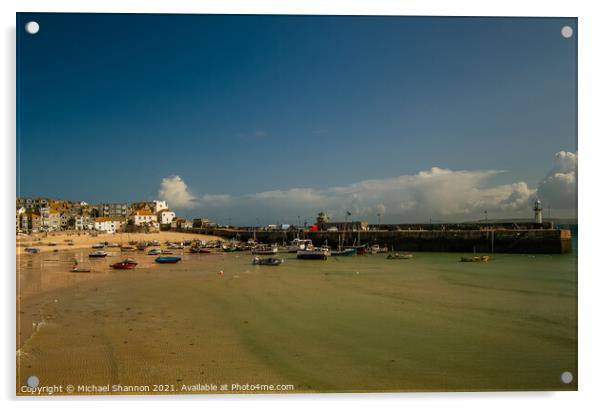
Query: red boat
pixel 124 265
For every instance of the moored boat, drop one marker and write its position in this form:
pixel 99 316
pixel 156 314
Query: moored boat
pixel 298 244
pixel 267 261
pixel 314 253
pixel 98 246
pixel 475 259
pixel 397 256
pixel 78 269
pixel 126 264
pixel 32 250
pixel 263 249
pixel 98 254
pixel 167 259
pixel 351 251
pixel 154 252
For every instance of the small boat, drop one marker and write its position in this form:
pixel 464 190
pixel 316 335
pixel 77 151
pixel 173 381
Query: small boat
pixel 167 260
pixel 397 256
pixel 154 252
pixel 125 265
pixel 113 245
pixel 264 249
pixel 298 244
pixel 32 250
pixel 267 261
pixel 175 246
pixel 141 246
pixel 166 252
pixel 98 254
pixel 98 246
pixel 128 248
pixel 230 249
pixel 314 253
pixel 155 243
pixel 52 243
pixel 475 259
pixel 78 269
pixel 201 250
pixel 344 252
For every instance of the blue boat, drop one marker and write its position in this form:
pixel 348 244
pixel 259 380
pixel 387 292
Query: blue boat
pixel 167 260
pixel 351 251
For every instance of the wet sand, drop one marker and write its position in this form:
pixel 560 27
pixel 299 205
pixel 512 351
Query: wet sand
pixel 347 324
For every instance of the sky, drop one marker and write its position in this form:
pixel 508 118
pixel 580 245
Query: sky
pixel 270 119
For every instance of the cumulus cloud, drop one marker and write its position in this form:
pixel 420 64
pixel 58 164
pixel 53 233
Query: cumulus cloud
pixel 559 188
pixel 175 191
pixel 436 193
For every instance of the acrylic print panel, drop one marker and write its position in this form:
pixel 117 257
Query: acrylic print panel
pixel 293 204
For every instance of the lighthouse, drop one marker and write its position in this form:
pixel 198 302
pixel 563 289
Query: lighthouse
pixel 537 208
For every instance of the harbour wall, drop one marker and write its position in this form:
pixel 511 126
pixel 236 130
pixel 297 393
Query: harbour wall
pixel 534 241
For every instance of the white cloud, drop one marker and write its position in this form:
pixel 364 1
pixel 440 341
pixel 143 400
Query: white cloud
pixel 437 193
pixel 559 188
pixel 175 191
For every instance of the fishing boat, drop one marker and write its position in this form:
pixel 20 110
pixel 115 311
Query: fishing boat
pixel 167 259
pixel 267 261
pixel 32 250
pixel 78 269
pixel 350 251
pixel 196 249
pixel 314 253
pixel 125 265
pixel 98 254
pixel 264 249
pixel 397 256
pixel 298 244
pixel 154 252
pixel 475 259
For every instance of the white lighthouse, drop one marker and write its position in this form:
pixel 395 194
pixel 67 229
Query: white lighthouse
pixel 537 208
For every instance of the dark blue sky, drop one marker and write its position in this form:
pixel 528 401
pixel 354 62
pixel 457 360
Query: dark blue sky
pixel 108 105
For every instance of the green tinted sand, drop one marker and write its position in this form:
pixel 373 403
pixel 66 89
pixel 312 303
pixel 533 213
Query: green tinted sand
pixel 347 324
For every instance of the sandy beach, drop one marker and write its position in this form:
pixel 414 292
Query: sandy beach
pixel 346 324
pixel 83 240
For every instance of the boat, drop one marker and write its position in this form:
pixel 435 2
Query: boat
pixel 298 244
pixel 374 249
pixel 154 252
pixel 52 243
pixel 155 243
pixel 78 269
pixel 397 256
pixel 32 250
pixel 196 249
pixel 98 246
pixel 475 259
pixel 141 246
pixel 264 249
pixel 126 264
pixel 314 253
pixel 98 254
pixel 350 251
pixel 267 261
pixel 175 246
pixel 360 250
pixel 167 259
pixel 113 245
pixel 128 248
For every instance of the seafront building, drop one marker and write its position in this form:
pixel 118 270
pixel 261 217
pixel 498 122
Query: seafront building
pixel 35 215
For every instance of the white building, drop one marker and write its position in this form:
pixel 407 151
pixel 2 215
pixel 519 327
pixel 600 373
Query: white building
pixel 107 224
pixel 144 218
pixel 165 216
pixel 159 205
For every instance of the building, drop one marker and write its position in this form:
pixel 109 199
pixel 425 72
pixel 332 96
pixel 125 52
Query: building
pixel 200 222
pixel 113 210
pixel 165 216
pixel 537 209
pixel 143 218
pixel 109 224
pixel 159 205
pixel 345 226
pixel 31 222
pixel 182 224
pixel 83 222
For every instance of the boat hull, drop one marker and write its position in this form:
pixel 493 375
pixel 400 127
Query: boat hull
pixel 167 260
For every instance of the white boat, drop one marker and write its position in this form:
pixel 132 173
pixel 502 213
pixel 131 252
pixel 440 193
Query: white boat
pixel 264 250
pixel 298 244
pixel 314 253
